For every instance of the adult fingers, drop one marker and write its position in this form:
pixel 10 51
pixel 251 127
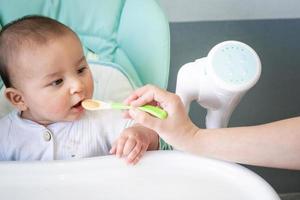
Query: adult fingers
pixel 149 93
pixel 144 118
pixel 131 98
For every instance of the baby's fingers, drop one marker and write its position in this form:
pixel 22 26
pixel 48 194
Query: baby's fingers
pixel 120 146
pixel 137 159
pixel 134 157
pixel 134 153
pixel 113 149
pixel 129 146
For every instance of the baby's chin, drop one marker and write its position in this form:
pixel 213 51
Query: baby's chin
pixel 78 114
pixel 69 117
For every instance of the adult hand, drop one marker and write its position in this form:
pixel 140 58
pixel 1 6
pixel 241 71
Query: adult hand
pixel 177 129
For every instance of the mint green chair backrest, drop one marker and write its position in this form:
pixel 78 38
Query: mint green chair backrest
pixel 131 35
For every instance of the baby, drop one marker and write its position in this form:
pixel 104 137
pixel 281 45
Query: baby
pixel 46 75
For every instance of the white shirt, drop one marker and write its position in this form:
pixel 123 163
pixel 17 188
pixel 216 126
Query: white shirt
pixel 92 135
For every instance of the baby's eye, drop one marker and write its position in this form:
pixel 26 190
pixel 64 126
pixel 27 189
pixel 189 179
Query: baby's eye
pixel 57 82
pixel 81 70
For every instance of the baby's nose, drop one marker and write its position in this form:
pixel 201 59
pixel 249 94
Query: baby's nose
pixel 76 86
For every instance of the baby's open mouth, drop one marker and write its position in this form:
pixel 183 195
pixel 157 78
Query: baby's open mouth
pixel 77 105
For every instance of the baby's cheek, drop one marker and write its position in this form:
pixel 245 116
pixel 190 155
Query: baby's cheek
pixel 57 107
pixel 89 88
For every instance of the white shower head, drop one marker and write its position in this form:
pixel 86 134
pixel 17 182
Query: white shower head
pixel 234 66
pixel 218 81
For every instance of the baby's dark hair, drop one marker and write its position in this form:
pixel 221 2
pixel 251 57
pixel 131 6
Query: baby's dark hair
pixel 29 30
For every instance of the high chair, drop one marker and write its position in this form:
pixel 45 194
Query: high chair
pixel 132 37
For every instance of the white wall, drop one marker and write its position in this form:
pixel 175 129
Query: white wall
pixel 206 10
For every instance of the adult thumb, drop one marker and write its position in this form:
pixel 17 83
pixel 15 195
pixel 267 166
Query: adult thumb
pixel 144 118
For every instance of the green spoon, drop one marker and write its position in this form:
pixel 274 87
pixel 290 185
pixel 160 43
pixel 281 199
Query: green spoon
pixel 92 104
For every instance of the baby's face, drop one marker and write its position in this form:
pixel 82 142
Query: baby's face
pixel 54 79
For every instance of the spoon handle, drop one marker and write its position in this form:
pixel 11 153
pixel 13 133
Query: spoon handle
pixel 119 106
pixel 153 110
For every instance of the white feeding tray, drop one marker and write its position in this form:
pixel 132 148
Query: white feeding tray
pixel 159 175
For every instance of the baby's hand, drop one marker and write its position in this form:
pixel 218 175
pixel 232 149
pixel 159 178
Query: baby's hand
pixel 133 143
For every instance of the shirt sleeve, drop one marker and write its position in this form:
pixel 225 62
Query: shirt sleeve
pixel 4 124
pixel 163 145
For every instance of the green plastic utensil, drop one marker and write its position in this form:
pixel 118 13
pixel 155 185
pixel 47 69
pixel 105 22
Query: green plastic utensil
pixel 92 104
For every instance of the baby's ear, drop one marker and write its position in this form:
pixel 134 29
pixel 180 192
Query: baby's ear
pixel 15 97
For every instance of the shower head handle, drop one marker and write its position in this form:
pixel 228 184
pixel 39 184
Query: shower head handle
pixel 219 81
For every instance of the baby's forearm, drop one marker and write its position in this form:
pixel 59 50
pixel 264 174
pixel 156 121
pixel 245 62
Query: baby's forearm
pixel 275 144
